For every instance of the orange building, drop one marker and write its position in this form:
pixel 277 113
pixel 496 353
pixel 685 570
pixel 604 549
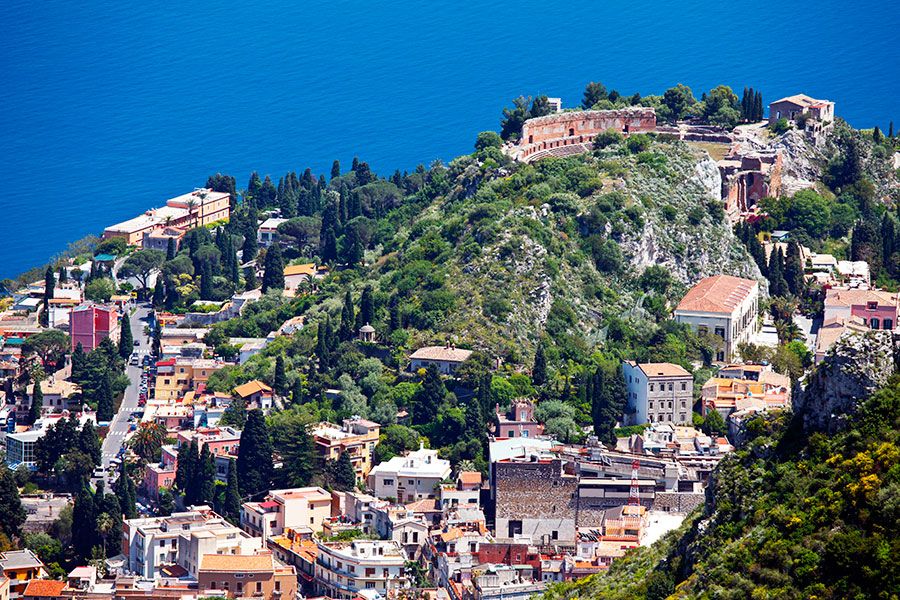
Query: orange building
pixel 241 576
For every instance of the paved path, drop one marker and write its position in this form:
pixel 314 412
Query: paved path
pixel 119 426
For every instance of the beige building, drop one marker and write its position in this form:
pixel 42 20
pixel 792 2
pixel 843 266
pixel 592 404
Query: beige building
pixel 724 306
pixel 792 107
pixel 657 393
pixel 343 569
pixel 447 358
pixel 357 437
pixel 247 576
pixel 299 509
pixel 176 376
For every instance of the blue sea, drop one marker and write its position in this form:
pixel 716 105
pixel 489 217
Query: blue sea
pixel 108 107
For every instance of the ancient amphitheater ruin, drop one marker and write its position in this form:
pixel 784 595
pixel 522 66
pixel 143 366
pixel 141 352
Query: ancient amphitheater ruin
pixel 565 133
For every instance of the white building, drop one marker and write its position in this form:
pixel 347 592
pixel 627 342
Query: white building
pixel 409 478
pixel 657 392
pixel 300 509
pixel 345 568
pixel 267 233
pixel 152 543
pixel 724 306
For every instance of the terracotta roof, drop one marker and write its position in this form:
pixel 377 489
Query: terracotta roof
pixel 251 387
pixel 717 294
pixel 468 477
pixel 663 370
pixel 237 562
pixel 446 353
pixel 801 100
pixel 43 588
pixel 851 297
pixel 308 269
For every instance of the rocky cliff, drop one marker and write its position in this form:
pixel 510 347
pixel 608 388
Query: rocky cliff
pixel 857 365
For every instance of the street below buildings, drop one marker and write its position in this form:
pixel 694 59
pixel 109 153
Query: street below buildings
pixel 119 426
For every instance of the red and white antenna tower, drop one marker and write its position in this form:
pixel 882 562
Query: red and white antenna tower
pixel 634 494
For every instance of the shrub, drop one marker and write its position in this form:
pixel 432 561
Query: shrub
pixel 780 126
pixel 695 215
pixel 638 142
pixel 488 139
pixel 669 212
pixel 607 138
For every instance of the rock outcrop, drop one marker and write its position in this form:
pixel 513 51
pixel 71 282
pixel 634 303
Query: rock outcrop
pixel 857 365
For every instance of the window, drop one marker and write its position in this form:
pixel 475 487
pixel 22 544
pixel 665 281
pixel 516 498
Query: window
pixel 277 585
pixel 651 404
pixel 874 323
pixel 370 585
pixel 720 331
pixel 225 585
pixel 683 386
pixel 651 387
pixel 370 571
pixel 887 324
pixel 258 586
pixel 671 387
pixel 388 482
pixel 872 305
pixel 554 535
pixel 239 587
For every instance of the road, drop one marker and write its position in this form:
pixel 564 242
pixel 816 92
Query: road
pixel 118 427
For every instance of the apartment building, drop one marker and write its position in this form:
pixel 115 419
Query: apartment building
pixel 150 544
pixel 409 478
pixel 343 569
pixel 724 306
pixel 355 436
pixel 657 392
pixel 258 575
pixel 90 324
pixel 300 509
pixel 176 376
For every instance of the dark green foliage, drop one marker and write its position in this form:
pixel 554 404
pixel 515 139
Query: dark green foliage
pixel 778 285
pixel 348 320
pixel 125 491
pixel 539 370
pixel 84 524
pixel 205 477
pixel 166 504
pixel 232 502
pixel 594 92
pixel 10 505
pixel 292 441
pixel 273 274
pixel 488 139
pixel 343 477
pixel 366 315
pixel 430 397
pixel 605 391
pixel 254 463
pixel 37 402
pixel 280 383
pixel 184 473
pixel 105 399
pixel 335 169
pixel 714 424
pixel 793 270
pixel 126 341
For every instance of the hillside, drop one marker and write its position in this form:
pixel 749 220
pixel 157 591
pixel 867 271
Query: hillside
pixel 792 514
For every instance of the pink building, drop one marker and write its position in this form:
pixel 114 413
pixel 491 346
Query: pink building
pixel 90 324
pixel 518 422
pixel 878 309
pixel 157 477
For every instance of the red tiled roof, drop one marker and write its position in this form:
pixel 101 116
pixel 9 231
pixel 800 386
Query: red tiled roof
pixel 720 293
pixel 44 588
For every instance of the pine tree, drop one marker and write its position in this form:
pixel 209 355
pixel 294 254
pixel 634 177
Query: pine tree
pixel 429 397
pixel 105 399
pixel 206 476
pixel 232 504
pixel 254 463
pixel 343 475
pixel 366 314
pixel 280 383
pixel 539 371
pixel 84 524
pixel 273 275
pixel 126 341
pixel 37 403
pixel 346 328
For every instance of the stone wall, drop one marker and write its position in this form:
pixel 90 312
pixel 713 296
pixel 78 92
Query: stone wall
pixel 678 502
pixel 539 495
pixel 576 130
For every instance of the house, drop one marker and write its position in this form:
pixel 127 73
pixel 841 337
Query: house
pixel 56 392
pixel 408 478
pixel 833 329
pixel 724 306
pixel 255 393
pixel 158 239
pixel 465 493
pixel 298 509
pixel 152 544
pixel 203 205
pixel 176 376
pixel 90 324
pixel 178 336
pixel 44 589
pixel 854 274
pixel 267 233
pixel 357 437
pixel 295 275
pixel 793 107
pixel 879 309
pixel 730 394
pixel 657 392
pixel 20 567
pixel 257 575
pixel 447 358
pixel 20 448
pixel 519 421
pixel 344 569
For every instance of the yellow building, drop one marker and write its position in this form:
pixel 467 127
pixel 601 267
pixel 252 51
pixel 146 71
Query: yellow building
pixel 177 376
pixel 358 437
pixel 20 567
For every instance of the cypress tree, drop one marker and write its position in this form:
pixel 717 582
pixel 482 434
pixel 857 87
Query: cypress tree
pixel 484 395
pixel 273 275
pixel 126 493
pixel 335 169
pixel 877 137
pixel 49 283
pixel 37 402
pixel 607 401
pixel 206 476
pixel 126 341
pixel 297 391
pixel 105 399
pixel 184 470
pixel 322 353
pixel 281 383
pixel 777 284
pixel 429 397
pixel 159 294
pixel 84 524
pixel 249 247
pixel 329 246
pixel 109 504
pixel 206 283
pixel 759 106
pixel 63 274
pixel 891 130
pixel 232 504
pixel 395 321
pixel 254 463
pixel 250 282
pixel 10 505
pixel 888 239
pixel 193 474
pixel 345 330
pixel 343 475
pixel 78 358
pixel 793 270
pixel 475 427
pixel 366 307
pixel 539 371
pixel 170 249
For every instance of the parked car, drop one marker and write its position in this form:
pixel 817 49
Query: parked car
pixel 137 342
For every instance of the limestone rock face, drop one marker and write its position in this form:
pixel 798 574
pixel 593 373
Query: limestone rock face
pixel 857 365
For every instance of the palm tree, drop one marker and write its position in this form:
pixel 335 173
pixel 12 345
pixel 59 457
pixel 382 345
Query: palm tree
pixel 192 205
pixel 104 526
pixel 148 439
